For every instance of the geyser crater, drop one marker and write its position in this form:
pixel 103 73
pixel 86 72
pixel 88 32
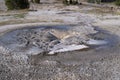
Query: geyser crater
pixel 49 39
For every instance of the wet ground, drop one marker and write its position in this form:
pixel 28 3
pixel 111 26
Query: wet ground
pixel 94 52
pixel 30 63
pixel 37 40
pixel 41 40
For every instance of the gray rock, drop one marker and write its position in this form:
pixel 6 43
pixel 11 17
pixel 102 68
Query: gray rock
pixel 3 7
pixel 73 40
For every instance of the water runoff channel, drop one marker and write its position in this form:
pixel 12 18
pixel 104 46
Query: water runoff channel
pixel 51 40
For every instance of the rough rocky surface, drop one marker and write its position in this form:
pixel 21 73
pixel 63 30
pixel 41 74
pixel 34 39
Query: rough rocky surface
pixel 43 39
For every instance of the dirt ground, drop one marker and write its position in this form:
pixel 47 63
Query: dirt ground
pixel 99 63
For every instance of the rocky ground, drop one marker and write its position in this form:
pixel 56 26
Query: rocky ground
pixel 94 63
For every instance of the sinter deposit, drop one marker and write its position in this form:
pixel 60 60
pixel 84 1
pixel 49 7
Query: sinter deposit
pixel 49 39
